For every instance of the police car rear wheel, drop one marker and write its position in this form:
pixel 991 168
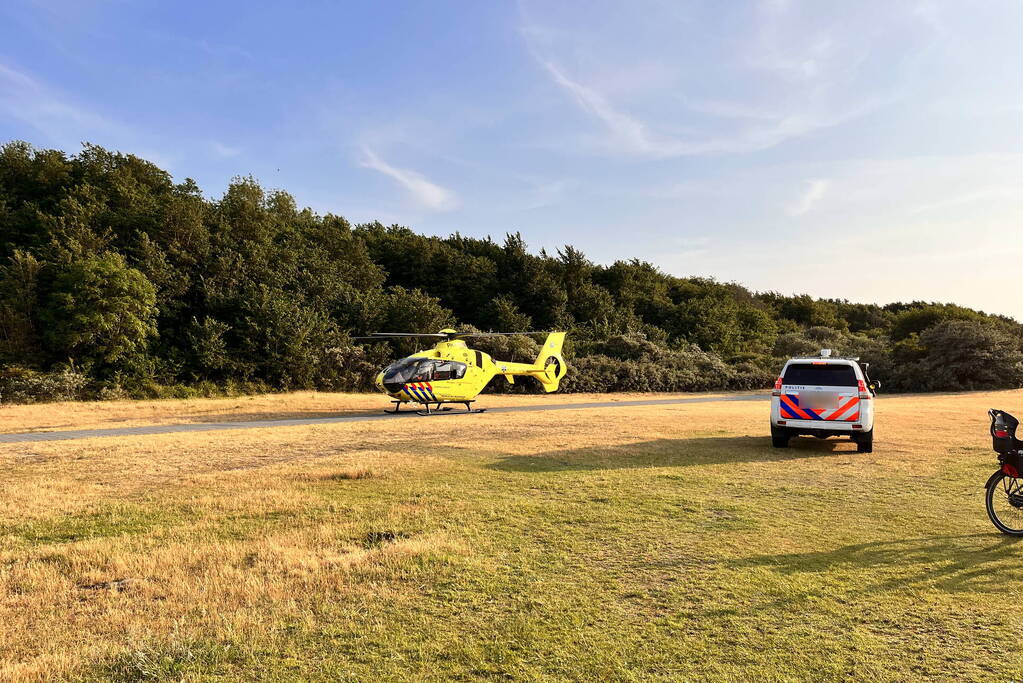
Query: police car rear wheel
pixel 865 442
pixel 779 438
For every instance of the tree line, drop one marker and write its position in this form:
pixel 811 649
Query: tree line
pixel 115 281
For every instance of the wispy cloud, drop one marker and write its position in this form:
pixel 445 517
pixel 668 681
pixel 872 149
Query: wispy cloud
pixel 224 151
pixel 794 52
pixel 762 129
pixel 29 101
pixel 690 248
pixel 529 193
pixel 631 132
pixel 814 191
pixel 928 12
pixel 782 75
pixel 425 192
pixel 986 195
pixel 775 6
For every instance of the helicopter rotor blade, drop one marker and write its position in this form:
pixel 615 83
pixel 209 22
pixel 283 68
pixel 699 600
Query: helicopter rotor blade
pixel 399 335
pixel 405 334
pixel 461 335
pixel 384 336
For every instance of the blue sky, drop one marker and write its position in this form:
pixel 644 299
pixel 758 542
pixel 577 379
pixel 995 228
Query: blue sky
pixel 863 150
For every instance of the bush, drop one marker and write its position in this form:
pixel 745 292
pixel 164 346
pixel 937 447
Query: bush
pixel 22 385
pixel 640 365
pixel 964 355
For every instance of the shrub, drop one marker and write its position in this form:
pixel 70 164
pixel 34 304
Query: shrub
pixel 643 366
pixel 961 355
pixel 22 385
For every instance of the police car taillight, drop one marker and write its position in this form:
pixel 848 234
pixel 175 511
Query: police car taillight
pixel 864 394
pixel 777 387
pixel 1001 434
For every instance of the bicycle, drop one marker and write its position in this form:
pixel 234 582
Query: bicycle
pixel 1004 489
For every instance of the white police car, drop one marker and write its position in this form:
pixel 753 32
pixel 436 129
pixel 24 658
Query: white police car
pixel 823 396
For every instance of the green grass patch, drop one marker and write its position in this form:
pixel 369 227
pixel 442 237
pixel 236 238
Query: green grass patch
pixel 171 661
pixel 114 520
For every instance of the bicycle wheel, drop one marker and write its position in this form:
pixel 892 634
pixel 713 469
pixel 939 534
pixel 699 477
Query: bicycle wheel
pixel 1005 503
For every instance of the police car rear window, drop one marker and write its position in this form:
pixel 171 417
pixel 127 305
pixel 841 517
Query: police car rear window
pixel 820 375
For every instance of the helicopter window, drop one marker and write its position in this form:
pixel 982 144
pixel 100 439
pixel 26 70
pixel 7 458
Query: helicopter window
pixel 448 370
pixel 403 371
pixel 423 371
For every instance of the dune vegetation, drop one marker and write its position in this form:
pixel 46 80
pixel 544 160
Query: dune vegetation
pixel 116 281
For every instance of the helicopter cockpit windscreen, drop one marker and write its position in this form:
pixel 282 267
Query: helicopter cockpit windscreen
pixel 400 373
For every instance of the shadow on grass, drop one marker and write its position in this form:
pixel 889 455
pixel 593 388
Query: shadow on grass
pixel 986 562
pixel 672 453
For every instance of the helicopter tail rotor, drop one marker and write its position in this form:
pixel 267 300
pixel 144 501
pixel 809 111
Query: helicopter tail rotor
pixel 551 362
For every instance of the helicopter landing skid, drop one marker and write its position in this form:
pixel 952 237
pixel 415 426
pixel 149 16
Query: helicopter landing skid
pixel 440 409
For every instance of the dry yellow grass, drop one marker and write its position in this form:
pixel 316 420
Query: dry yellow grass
pixel 666 541
pixel 305 404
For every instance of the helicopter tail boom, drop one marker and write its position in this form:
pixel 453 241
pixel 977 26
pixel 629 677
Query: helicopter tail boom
pixel 548 368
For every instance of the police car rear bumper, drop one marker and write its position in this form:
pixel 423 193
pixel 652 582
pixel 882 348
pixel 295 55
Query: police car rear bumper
pixel 812 426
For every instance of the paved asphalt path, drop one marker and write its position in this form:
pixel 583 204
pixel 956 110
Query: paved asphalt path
pixel 263 424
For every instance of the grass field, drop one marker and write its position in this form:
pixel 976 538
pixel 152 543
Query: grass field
pixel 641 543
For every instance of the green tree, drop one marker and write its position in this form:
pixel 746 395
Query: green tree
pixel 209 346
pixel 505 316
pixel 918 319
pixel 405 310
pixel 810 312
pixel 19 284
pixel 99 309
pixel 280 339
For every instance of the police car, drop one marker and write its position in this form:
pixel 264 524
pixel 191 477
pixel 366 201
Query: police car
pixel 824 396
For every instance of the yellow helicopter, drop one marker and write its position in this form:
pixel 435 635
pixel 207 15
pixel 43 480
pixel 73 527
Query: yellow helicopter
pixel 451 372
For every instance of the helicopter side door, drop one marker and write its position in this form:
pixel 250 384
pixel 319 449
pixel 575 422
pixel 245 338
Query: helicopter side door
pixel 445 370
pixel 444 380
